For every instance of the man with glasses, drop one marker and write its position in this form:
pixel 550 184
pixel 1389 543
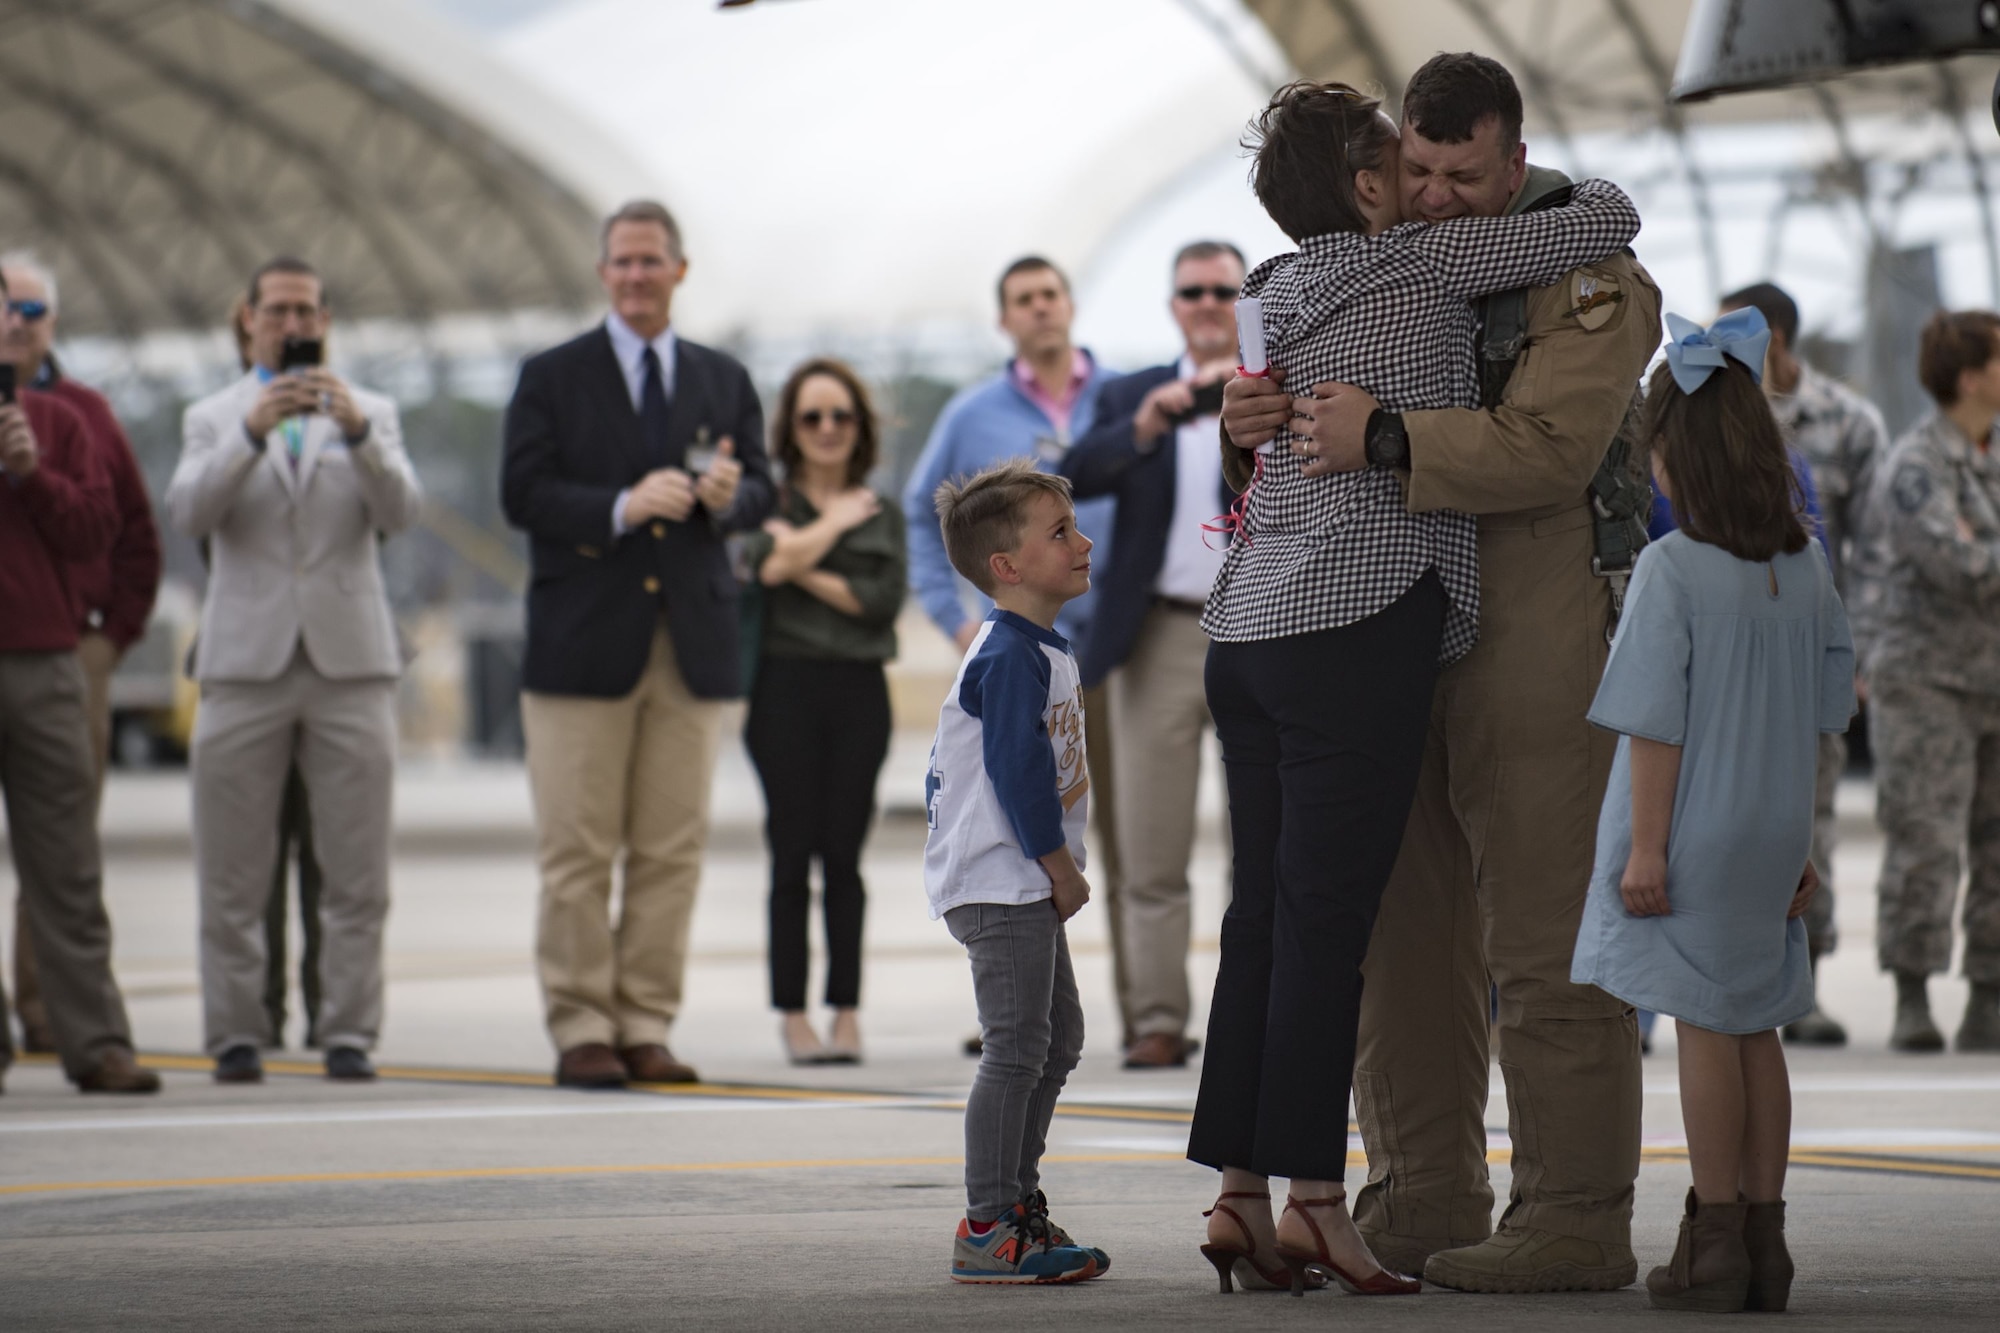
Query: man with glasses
pixel 113 591
pixel 55 510
pixel 1156 448
pixel 289 474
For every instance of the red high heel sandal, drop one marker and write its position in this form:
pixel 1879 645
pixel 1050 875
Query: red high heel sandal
pixel 1382 1282
pixel 1252 1275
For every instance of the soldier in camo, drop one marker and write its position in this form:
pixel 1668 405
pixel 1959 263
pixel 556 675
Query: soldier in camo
pixel 1842 437
pixel 1933 673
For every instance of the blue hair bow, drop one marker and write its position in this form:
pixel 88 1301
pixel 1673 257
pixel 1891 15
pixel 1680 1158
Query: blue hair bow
pixel 1695 353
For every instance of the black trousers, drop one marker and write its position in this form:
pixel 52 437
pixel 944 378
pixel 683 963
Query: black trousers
pixel 1322 740
pixel 818 732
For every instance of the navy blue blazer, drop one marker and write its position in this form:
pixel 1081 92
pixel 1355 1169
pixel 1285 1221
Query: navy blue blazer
pixel 572 443
pixel 1106 461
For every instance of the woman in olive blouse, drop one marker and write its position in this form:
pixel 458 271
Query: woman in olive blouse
pixel 833 570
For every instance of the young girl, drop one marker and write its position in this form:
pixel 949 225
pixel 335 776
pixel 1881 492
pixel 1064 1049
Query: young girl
pixel 1732 656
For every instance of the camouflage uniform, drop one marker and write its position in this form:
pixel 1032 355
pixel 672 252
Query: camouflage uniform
pixel 1933 669
pixel 1842 436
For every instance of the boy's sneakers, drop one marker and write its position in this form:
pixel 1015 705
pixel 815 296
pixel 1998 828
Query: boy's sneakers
pixel 1037 1205
pixel 1017 1248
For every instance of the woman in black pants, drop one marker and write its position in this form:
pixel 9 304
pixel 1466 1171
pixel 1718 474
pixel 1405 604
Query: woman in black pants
pixel 833 568
pixel 1330 619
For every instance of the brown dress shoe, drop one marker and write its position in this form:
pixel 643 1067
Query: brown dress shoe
pixel 591 1065
pixel 117 1071
pixel 656 1064
pixel 1157 1050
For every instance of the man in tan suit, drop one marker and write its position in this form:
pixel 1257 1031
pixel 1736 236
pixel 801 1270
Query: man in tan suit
pixel 1496 857
pixel 291 475
pixel 631 453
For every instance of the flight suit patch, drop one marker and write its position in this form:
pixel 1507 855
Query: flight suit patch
pixel 1597 297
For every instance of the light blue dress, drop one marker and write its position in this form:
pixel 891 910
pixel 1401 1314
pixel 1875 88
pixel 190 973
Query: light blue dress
pixel 1743 679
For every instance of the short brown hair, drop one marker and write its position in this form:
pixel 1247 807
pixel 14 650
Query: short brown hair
pixel 1455 92
pixel 1195 250
pixel 984 516
pixel 1725 459
pixel 1307 145
pixel 1954 342
pixel 784 427
pixel 1027 264
pixel 283 264
pixel 641 210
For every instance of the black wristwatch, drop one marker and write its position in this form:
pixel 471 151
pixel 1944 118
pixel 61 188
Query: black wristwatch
pixel 1385 442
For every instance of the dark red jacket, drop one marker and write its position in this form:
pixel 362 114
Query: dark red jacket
pixel 114 592
pixel 62 513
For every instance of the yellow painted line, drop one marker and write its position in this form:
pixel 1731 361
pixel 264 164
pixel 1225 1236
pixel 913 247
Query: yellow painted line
pixel 201 1064
pixel 1887 1165
pixel 1136 1113
pixel 507 1172
pixel 1905 1166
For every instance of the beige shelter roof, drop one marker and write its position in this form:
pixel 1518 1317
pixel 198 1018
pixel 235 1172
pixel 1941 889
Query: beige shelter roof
pixel 1583 65
pixel 154 151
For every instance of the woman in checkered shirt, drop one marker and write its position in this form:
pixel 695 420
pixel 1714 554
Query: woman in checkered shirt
pixel 1332 614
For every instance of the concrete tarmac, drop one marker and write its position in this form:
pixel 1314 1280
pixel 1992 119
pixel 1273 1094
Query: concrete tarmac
pixel 463 1191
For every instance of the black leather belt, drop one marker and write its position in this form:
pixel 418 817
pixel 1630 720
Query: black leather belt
pixel 1180 604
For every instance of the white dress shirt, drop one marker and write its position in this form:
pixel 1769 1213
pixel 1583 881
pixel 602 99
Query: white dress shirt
pixel 1190 565
pixel 630 349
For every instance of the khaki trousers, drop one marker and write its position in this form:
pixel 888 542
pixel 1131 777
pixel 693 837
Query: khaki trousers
pixel 1491 880
pixel 248 734
pixel 96 655
pixel 610 775
pixel 1106 877
pixel 46 779
pixel 1159 715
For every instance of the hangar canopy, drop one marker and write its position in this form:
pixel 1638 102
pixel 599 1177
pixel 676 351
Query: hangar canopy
pixel 154 151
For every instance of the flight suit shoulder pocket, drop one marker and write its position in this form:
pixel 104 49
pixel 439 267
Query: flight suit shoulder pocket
pixel 1597 297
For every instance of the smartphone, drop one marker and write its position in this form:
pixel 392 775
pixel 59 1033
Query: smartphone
pixel 1207 403
pixel 298 352
pixel 6 381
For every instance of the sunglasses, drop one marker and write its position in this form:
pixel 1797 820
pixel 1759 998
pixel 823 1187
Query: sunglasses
pixel 1194 294
pixel 812 417
pixel 30 311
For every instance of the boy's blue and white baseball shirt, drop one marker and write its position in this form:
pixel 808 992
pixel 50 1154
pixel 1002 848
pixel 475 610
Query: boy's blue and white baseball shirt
pixel 1007 783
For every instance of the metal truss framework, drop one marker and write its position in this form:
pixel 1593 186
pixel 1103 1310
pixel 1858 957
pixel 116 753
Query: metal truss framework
pixel 154 151
pixel 1598 65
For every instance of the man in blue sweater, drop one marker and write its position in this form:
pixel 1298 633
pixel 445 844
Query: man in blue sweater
pixel 1045 397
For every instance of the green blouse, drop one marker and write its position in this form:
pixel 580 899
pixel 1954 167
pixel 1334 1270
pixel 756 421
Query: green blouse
pixel 874 561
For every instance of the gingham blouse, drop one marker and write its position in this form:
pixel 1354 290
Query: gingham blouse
pixel 1391 314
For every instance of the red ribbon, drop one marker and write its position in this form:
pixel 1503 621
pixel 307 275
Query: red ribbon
pixel 1235 523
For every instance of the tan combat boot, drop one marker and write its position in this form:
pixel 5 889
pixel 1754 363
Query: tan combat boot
pixel 1710 1270
pixel 1516 1260
pixel 1770 1262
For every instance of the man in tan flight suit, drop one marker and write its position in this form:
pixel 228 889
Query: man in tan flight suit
pixel 1496 860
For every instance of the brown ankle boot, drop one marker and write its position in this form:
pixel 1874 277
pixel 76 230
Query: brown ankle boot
pixel 1770 1261
pixel 1710 1270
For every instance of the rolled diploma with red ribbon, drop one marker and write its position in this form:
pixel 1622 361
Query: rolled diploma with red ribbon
pixel 1251 359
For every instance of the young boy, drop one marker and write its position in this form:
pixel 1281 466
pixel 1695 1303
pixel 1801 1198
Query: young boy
pixel 1007 798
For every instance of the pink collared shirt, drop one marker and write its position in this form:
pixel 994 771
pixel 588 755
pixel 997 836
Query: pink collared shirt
pixel 1056 409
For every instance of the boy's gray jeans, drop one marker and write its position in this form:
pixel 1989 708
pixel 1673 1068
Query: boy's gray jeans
pixel 1031 1023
